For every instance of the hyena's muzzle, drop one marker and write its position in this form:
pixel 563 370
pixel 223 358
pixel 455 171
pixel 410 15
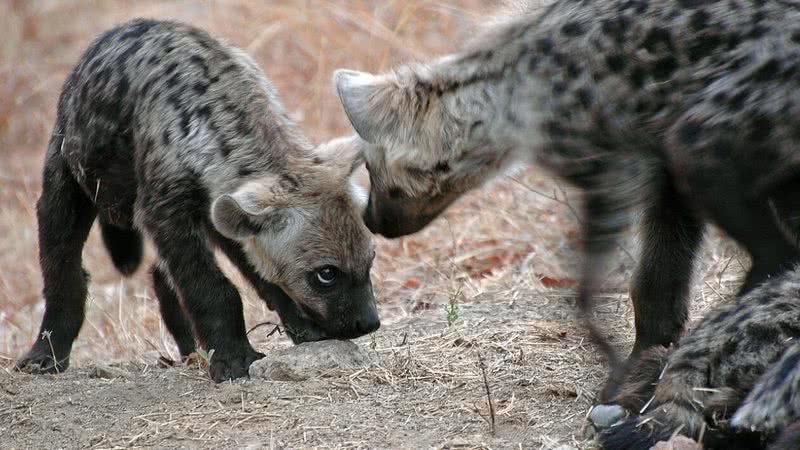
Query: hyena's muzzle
pixel 350 313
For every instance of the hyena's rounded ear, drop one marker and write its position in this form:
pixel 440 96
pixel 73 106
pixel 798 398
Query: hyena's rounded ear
pixel 360 95
pixel 240 215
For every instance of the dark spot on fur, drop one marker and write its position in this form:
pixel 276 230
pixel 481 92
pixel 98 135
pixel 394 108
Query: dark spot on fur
pixel 200 88
pixel 122 88
pixel 738 100
pixel 795 37
pixel 173 80
pixel 704 46
pixel 533 63
pixel 762 332
pixel 730 346
pixel 165 139
pixel 544 46
pixel 767 71
pixel 170 69
pixel 573 70
pixel 616 28
pixel 559 87
pixel 585 97
pixel 245 172
pixel 201 63
pixel 664 67
pixel 637 77
pixel 689 132
pixel 175 100
pixel 573 28
pixel 616 62
pixel 130 51
pixel 185 121
pixel 555 129
pixel 658 39
pixel 204 112
pixel 756 32
pixel 317 160
pixel 760 129
pixel 719 98
pixel 698 20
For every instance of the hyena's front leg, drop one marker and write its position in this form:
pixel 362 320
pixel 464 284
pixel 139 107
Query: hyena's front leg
pixel 671 235
pixel 65 216
pixel 172 313
pixel 212 302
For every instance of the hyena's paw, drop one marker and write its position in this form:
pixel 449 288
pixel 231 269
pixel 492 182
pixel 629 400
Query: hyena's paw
pixel 40 359
pixel 232 364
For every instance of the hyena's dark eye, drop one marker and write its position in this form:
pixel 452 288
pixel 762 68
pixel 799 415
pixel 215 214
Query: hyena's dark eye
pixel 327 276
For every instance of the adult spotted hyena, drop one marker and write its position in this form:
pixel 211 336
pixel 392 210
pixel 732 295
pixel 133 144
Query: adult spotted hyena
pixel 687 108
pixel 164 130
pixel 732 381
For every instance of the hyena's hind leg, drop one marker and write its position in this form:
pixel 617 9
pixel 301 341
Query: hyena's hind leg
pixel 671 236
pixel 172 312
pixel 65 215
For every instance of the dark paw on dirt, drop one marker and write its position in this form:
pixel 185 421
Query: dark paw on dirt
pixel 308 360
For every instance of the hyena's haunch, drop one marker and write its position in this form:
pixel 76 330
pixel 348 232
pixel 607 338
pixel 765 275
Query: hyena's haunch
pixel 686 107
pixel 164 130
pixel 733 381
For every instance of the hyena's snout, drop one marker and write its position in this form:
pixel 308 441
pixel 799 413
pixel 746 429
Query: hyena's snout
pixel 357 316
pixel 393 217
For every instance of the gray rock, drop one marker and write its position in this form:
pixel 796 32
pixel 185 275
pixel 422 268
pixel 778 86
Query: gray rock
pixel 603 416
pixel 308 360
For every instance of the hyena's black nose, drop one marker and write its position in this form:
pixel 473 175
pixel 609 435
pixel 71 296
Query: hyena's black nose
pixel 369 323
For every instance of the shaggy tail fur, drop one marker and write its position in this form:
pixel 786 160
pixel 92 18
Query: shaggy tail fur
pixel 125 247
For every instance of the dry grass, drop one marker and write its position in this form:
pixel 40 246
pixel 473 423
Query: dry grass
pixel 506 245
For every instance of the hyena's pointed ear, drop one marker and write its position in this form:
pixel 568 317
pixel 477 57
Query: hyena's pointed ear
pixel 366 100
pixel 243 214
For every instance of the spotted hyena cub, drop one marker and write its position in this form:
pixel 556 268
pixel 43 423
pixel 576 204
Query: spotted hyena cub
pixel 687 108
pixel 163 130
pixel 732 381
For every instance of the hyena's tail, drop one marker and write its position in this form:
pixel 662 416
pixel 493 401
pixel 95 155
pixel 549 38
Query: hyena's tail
pixel 124 245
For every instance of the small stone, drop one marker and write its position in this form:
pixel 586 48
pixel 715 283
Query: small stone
pixel 107 372
pixel 308 360
pixel 603 416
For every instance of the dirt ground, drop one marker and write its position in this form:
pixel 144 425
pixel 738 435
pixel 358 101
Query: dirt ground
pixel 491 281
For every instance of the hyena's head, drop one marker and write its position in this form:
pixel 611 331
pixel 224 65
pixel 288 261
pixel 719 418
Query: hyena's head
pixel 303 231
pixel 428 143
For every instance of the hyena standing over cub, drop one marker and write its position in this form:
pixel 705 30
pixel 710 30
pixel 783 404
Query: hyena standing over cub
pixel 688 107
pixel 164 130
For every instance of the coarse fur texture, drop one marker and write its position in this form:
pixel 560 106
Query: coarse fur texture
pixel 685 108
pixel 163 130
pixel 741 358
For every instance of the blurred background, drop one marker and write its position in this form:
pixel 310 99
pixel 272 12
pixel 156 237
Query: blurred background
pixel 519 232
